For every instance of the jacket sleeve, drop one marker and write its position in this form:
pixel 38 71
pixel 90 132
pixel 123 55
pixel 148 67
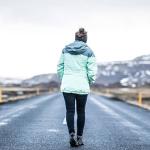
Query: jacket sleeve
pixel 60 67
pixel 91 69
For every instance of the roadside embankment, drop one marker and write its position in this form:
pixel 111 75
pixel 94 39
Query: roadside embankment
pixel 139 97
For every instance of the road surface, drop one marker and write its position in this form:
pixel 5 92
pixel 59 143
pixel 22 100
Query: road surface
pixel 39 124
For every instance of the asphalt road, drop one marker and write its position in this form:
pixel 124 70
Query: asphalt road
pixel 39 124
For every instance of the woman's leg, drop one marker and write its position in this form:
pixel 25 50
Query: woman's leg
pixel 70 110
pixel 81 103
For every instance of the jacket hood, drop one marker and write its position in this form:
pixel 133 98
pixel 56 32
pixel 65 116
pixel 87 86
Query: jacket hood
pixel 76 48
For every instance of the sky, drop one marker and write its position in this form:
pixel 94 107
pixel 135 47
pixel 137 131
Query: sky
pixel 34 32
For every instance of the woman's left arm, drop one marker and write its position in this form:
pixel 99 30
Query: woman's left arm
pixel 91 69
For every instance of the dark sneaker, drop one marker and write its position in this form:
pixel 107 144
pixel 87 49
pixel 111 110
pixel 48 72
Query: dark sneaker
pixel 80 140
pixel 73 142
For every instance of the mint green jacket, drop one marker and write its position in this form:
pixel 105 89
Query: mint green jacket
pixel 77 68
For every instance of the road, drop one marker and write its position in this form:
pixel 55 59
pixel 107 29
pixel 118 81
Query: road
pixel 39 124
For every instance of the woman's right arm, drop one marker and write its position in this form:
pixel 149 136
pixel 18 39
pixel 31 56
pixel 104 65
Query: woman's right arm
pixel 60 67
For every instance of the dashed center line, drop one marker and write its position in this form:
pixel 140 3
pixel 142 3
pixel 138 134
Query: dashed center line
pixel 64 121
pixel 53 130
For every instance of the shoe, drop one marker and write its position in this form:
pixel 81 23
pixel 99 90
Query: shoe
pixel 73 142
pixel 80 140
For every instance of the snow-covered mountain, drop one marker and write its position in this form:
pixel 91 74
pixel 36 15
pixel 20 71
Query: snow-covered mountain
pixel 45 80
pixel 133 73
pixel 10 81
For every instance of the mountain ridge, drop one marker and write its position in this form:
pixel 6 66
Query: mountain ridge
pixel 131 73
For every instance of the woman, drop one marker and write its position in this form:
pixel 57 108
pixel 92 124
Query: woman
pixel 77 70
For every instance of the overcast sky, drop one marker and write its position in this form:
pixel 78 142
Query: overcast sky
pixel 34 32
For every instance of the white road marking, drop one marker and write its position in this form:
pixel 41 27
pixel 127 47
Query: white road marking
pixel 12 112
pixel 140 131
pixel 32 105
pixel 3 123
pixel 64 121
pixel 105 108
pixel 16 115
pixel 6 120
pixel 111 112
pixel 131 114
pixel 17 112
pixel 53 130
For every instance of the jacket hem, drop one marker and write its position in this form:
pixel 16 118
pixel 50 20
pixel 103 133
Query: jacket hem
pixel 75 92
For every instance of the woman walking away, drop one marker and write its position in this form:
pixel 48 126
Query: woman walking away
pixel 77 70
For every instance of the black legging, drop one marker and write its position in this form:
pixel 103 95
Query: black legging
pixel 70 111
